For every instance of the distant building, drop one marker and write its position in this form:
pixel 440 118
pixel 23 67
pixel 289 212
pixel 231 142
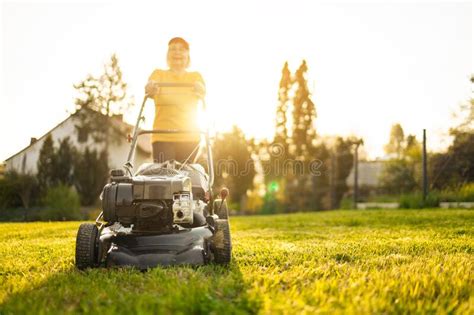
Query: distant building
pixel 26 160
pixel 368 175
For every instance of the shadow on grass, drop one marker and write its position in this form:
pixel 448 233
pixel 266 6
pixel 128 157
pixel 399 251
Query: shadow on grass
pixel 172 290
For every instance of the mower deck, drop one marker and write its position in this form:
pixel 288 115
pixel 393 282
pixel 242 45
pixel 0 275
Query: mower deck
pixel 188 247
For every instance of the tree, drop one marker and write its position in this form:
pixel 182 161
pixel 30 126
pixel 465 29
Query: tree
pixel 412 148
pixel 8 194
pixel 402 173
pixel 304 113
pixel 99 99
pixel 397 177
pixel 329 184
pixel 456 166
pixel 467 113
pixel 305 173
pixel 25 187
pixel 90 175
pixel 276 153
pixel 302 143
pixel 281 130
pixel 55 166
pixel 46 164
pixel 321 183
pixel 344 161
pixel 63 164
pixel 395 144
pixel 233 163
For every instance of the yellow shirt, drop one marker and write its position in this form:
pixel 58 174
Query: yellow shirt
pixel 176 107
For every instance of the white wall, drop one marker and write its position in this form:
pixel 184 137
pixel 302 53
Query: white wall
pixel 26 161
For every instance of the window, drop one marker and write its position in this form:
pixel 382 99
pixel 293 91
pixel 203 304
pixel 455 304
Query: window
pixel 82 135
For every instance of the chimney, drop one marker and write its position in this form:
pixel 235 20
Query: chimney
pixel 33 140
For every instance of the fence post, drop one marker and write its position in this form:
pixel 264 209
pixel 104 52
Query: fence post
pixel 425 175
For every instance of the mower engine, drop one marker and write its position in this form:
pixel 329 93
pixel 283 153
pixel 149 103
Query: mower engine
pixel 149 203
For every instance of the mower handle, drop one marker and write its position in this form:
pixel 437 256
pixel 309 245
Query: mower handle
pixel 169 131
pixel 136 132
pixel 169 84
pixel 180 85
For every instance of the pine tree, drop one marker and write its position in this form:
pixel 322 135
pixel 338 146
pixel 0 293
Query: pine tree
pixel 281 130
pixel 304 113
pixel 303 137
pixel 277 153
pixel 46 164
pixel 90 175
pixel 63 164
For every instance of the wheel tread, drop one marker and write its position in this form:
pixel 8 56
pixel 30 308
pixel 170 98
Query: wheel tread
pixel 222 212
pixel 222 242
pixel 85 246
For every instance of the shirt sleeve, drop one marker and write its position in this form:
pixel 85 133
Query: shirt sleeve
pixel 199 78
pixel 155 75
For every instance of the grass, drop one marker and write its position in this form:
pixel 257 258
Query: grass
pixel 373 261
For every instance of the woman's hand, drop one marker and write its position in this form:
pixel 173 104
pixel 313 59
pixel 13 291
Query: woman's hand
pixel 152 89
pixel 200 89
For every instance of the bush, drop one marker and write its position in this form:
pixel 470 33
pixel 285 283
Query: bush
pixel 272 205
pixel 415 201
pixel 62 203
pixel 18 190
pixel 347 203
pixel 8 195
pixel 465 193
pixel 383 198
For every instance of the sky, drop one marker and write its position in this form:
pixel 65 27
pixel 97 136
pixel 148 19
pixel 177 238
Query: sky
pixel 370 64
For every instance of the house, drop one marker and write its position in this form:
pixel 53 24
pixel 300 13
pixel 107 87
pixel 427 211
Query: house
pixel 368 174
pixel 26 160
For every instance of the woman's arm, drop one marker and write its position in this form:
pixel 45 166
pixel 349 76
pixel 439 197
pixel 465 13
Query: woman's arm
pixel 199 85
pixel 151 88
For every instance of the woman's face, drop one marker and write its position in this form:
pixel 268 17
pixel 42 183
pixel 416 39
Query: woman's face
pixel 178 56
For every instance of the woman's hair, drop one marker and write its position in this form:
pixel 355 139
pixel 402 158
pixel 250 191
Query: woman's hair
pixel 181 40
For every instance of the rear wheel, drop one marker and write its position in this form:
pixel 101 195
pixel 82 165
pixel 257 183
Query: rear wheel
pixel 221 211
pixel 221 242
pixel 87 246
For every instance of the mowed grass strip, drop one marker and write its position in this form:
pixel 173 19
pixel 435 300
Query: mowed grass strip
pixel 374 261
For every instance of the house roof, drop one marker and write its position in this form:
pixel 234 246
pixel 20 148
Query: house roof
pixel 142 144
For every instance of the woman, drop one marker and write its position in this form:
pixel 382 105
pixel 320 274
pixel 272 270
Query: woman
pixel 175 107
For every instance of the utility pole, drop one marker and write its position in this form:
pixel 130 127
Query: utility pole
pixel 356 172
pixel 333 180
pixel 425 173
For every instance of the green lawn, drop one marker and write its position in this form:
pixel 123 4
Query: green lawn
pixel 399 261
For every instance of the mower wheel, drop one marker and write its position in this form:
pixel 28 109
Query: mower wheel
pixel 221 242
pixel 87 246
pixel 221 211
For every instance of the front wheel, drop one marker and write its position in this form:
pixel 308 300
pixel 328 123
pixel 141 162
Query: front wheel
pixel 87 246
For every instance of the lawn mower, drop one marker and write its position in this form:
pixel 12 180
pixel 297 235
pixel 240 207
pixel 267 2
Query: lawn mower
pixel 163 214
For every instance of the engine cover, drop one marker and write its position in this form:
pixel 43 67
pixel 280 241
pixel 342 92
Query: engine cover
pixel 147 202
